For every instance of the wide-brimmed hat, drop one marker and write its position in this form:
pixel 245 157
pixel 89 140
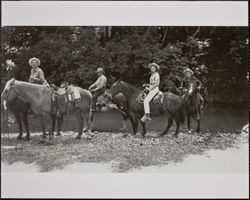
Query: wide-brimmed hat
pixel 100 69
pixel 34 59
pixel 154 65
pixel 188 70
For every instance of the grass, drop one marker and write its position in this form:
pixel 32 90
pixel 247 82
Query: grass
pixel 126 152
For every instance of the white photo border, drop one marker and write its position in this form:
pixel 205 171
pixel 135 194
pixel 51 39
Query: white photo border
pixel 127 185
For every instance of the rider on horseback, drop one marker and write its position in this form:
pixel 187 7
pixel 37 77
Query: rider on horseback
pixel 36 75
pixel 98 87
pixel 190 78
pixel 152 88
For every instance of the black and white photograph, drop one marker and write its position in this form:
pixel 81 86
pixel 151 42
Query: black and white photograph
pixel 124 99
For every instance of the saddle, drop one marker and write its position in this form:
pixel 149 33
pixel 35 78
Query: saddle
pixel 158 98
pixel 69 93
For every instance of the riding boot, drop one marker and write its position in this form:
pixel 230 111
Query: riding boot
pixel 146 117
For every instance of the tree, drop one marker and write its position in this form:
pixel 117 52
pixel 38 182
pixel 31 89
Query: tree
pixel 217 55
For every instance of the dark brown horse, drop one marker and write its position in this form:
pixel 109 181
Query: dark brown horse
pixel 192 104
pixel 172 105
pixel 121 105
pixel 40 100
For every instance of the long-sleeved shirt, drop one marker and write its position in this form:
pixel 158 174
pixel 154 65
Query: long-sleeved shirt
pixel 100 83
pixel 154 80
pixel 193 79
pixel 37 76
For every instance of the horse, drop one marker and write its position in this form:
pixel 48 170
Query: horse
pixel 20 108
pixel 121 104
pixel 192 104
pixel 39 97
pixel 172 105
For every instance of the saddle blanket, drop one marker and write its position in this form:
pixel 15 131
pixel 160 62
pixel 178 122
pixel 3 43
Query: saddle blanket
pixel 157 98
pixel 75 94
pixel 71 92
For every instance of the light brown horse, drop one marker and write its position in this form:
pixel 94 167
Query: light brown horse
pixel 40 99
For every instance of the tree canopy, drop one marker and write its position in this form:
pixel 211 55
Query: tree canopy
pixel 217 55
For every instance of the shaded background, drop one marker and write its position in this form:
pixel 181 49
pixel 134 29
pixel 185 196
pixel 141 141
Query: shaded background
pixel 218 55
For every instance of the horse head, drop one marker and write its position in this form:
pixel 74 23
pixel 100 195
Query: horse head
pixel 8 94
pixel 190 92
pixel 116 88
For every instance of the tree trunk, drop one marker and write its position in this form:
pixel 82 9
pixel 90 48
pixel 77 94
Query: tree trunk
pixel 164 36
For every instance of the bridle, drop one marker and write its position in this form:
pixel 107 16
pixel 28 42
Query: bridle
pixel 9 91
pixel 118 89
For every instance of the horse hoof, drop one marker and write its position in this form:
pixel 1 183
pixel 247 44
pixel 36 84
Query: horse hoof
pixel 27 138
pixel 175 136
pixel 161 135
pixel 84 130
pixel 124 129
pixel 125 135
pixel 19 138
pixel 78 137
pixel 58 134
pixel 189 132
pixel 143 136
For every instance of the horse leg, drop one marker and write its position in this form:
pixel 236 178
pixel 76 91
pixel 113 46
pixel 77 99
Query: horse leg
pixel 188 123
pixel 50 126
pixel 198 121
pixel 87 117
pixel 59 125
pixel 134 121
pixel 131 121
pixel 124 126
pixel 53 123
pixel 19 123
pixel 26 125
pixel 43 127
pixel 80 121
pixel 48 119
pixel 144 131
pixel 177 128
pixel 170 123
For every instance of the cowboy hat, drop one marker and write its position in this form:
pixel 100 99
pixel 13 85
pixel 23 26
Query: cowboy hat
pixel 34 59
pixel 99 69
pixel 155 65
pixel 188 70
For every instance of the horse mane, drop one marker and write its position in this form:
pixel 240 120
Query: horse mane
pixel 130 87
pixel 30 84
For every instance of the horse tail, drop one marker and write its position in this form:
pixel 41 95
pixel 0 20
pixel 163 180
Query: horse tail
pixel 91 114
pixel 90 107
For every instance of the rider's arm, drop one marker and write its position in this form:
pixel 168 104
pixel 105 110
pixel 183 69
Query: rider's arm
pixel 40 79
pixel 102 83
pixel 30 79
pixel 94 84
pixel 199 83
pixel 155 83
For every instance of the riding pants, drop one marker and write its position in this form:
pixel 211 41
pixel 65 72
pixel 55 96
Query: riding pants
pixel 148 98
pixel 96 94
pixel 200 99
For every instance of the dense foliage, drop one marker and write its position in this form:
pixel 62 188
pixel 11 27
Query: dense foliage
pixel 218 55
